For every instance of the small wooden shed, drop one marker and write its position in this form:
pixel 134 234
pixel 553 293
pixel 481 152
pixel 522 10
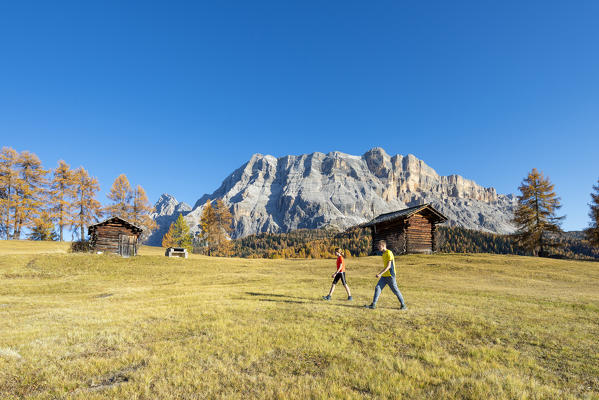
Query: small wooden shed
pixel 411 230
pixel 114 235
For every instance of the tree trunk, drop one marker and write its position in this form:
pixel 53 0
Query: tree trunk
pixel 61 223
pixel 17 230
pixel 81 220
pixel 539 227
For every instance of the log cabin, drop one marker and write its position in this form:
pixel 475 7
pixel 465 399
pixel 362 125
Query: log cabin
pixel 114 235
pixel 411 230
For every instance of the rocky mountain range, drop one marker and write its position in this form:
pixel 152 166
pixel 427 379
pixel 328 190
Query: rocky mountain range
pixel 269 194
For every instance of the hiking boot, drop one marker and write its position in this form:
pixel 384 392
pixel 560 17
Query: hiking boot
pixel 327 297
pixel 371 306
pixel 349 298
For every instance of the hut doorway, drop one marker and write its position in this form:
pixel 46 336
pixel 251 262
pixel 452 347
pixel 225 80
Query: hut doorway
pixel 127 245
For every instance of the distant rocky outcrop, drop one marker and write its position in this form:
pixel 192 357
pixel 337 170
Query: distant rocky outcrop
pixel 269 194
pixel 166 210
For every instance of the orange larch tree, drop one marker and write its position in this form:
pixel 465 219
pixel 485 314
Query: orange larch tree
pixel 8 189
pixel 535 214
pixel 140 212
pixel 87 208
pixel 32 194
pixel 62 195
pixel 120 195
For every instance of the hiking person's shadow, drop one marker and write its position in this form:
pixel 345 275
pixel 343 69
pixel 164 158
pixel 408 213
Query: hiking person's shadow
pixel 283 298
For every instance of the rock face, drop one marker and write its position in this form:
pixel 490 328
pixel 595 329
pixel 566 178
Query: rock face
pixel 269 194
pixel 166 210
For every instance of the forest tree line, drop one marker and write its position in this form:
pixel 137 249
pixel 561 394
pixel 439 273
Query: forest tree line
pixel 321 243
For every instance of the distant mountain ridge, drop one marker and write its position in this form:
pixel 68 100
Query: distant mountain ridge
pixel 269 194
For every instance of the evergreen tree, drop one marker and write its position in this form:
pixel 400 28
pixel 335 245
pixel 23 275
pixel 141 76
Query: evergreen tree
pixel 43 228
pixel 87 208
pixel 121 196
pixel 9 177
pixel 535 215
pixel 178 235
pixel 592 232
pixel 140 212
pixel 62 194
pixel 31 191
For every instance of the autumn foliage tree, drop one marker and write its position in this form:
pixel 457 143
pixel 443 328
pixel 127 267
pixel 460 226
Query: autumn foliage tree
pixel 120 195
pixel 216 228
pixel 140 211
pixel 62 195
pixel 130 204
pixel 87 209
pixel 535 215
pixel 31 191
pixel 224 228
pixel 178 235
pixel 206 224
pixel 8 190
pixel 23 194
pixel 43 227
pixel 592 232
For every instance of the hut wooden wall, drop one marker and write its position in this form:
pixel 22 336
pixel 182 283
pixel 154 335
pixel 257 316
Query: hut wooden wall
pixel 419 235
pixel 393 234
pixel 106 237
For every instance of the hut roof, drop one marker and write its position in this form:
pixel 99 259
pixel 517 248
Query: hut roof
pixel 112 220
pixel 406 213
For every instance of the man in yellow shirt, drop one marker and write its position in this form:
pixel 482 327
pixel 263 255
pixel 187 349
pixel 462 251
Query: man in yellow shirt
pixel 387 277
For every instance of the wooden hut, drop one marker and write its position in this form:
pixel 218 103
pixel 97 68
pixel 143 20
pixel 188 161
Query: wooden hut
pixel 114 235
pixel 411 230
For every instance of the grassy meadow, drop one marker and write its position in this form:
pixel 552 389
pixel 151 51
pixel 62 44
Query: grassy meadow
pixel 79 326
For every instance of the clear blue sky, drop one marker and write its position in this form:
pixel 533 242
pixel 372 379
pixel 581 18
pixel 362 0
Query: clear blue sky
pixel 179 94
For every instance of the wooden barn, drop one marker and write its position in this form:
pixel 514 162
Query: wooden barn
pixel 411 230
pixel 114 235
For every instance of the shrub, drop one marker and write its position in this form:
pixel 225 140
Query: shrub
pixel 80 246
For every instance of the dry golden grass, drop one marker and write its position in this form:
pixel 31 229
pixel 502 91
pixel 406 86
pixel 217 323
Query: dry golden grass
pixel 151 251
pixel 478 326
pixel 29 247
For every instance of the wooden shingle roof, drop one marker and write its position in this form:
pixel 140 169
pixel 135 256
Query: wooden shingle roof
pixel 115 220
pixel 406 213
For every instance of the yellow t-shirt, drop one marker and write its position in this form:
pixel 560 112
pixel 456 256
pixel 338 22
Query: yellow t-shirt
pixel 388 256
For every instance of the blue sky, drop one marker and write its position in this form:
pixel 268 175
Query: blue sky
pixel 179 94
